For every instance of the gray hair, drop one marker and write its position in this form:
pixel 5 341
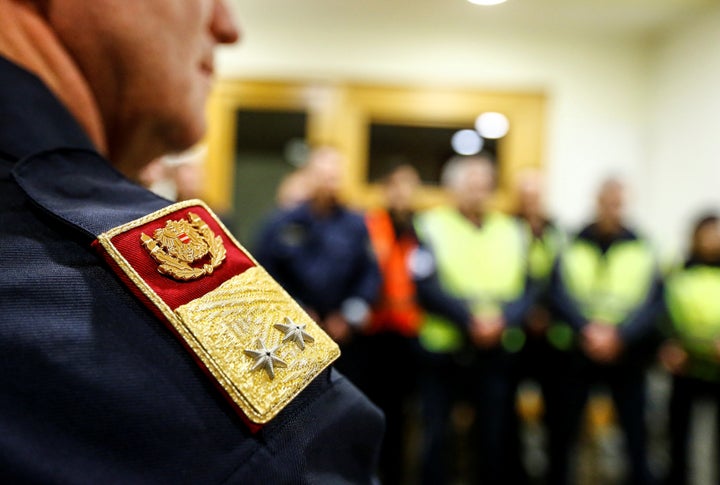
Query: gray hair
pixel 454 171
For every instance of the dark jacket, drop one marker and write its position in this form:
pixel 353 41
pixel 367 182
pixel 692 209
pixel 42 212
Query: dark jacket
pixel 321 261
pixel 93 387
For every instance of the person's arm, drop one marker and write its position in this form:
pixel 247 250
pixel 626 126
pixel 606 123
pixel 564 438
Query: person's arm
pixel 515 311
pixel 432 297
pixel 643 322
pixel 561 302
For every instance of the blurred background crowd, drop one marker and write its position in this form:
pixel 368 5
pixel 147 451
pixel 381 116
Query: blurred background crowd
pixel 501 347
pixel 506 216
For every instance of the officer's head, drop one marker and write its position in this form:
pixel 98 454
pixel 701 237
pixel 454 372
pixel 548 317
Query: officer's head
pixel 611 203
pixel 148 65
pixel 471 182
pixel 324 172
pixel 400 187
pixel 705 244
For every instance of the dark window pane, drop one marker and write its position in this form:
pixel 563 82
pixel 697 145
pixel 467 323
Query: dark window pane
pixel 425 147
pixel 262 138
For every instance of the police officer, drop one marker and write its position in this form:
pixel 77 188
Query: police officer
pixel 606 288
pixel 109 371
pixel 692 353
pixel 478 257
pixel 396 317
pixel 320 252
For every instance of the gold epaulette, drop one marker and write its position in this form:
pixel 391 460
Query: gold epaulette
pixel 249 335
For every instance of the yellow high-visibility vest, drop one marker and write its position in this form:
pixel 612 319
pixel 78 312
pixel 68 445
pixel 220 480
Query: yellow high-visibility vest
pixel 608 287
pixel 543 252
pixel 485 266
pixel 693 300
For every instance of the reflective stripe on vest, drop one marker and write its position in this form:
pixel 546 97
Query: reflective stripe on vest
pixel 482 265
pixel 397 309
pixel 608 287
pixel 693 300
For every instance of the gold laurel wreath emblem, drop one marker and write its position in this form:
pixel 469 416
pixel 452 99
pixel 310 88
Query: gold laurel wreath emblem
pixel 185 249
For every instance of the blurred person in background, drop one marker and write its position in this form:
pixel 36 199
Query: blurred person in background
pixel 396 316
pixel 157 177
pixel 479 258
pixel 539 360
pixel 320 252
pixel 95 387
pixel 692 352
pixel 607 288
pixel 189 173
pixel 176 177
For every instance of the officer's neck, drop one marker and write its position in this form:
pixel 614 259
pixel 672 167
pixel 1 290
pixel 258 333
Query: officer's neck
pixel 475 215
pixel 402 220
pixel 704 258
pixel 401 215
pixel 608 229
pixel 536 220
pixel 324 205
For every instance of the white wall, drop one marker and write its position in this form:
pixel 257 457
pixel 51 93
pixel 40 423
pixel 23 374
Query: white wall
pixel 683 167
pixel 596 86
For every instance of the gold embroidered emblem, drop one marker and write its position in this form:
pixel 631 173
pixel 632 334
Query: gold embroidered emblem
pixel 185 249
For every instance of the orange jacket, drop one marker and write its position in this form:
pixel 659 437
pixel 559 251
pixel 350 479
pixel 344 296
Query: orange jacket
pixel 397 309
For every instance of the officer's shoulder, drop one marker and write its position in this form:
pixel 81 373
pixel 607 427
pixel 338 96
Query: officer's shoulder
pixel 5 167
pixel 10 190
pixel 637 239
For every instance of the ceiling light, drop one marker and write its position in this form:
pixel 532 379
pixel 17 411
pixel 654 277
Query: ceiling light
pixel 467 142
pixel 492 125
pixel 487 2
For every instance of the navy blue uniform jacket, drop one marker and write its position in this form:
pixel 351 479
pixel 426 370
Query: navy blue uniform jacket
pixel 321 261
pixel 93 387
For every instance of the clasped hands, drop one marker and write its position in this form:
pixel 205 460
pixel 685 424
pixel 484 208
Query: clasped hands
pixel 486 332
pixel 674 358
pixel 601 342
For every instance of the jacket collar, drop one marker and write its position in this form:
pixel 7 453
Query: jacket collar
pixel 56 164
pixel 32 118
pixel 592 235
